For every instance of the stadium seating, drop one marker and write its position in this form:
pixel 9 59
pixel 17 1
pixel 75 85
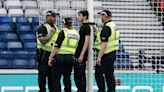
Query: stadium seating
pixel 15 12
pixel 31 13
pixel 6 20
pixel 5 54
pixel 46 4
pixel 32 63
pixel 19 21
pixel 35 28
pixel 28 37
pixel 6 29
pixel 29 5
pixel 30 46
pixel 0 4
pixel 3 46
pixel 22 20
pixel 12 4
pixel 14 46
pixel 20 63
pixel 78 4
pixel 4 63
pixel 3 12
pixel 8 37
pixel 22 29
pixel 62 4
pixel 35 21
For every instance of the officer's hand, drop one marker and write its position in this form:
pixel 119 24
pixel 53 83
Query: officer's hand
pixel 98 61
pixel 50 62
pixel 53 30
pixel 80 59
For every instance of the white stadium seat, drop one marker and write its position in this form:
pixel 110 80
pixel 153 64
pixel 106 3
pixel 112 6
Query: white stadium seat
pixel 3 12
pixel 12 4
pixel 31 13
pixel 15 12
pixel 78 4
pixel 0 4
pixel 62 4
pixel 46 5
pixel 29 5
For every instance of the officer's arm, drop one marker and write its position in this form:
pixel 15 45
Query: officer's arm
pixel 45 39
pixel 53 52
pixel 102 49
pixel 57 44
pixel 105 33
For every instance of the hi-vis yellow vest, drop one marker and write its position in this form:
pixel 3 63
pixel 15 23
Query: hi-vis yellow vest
pixel 70 42
pixel 113 40
pixel 50 44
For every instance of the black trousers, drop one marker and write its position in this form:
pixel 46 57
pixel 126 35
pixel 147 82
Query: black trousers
pixel 44 71
pixel 80 76
pixel 107 69
pixel 62 66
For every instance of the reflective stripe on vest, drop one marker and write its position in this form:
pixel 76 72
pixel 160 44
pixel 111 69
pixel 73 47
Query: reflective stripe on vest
pixel 70 42
pixel 50 44
pixel 113 39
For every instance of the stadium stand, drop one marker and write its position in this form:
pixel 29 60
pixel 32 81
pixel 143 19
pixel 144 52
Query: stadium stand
pixel 15 12
pixel 6 20
pixel 14 46
pixel 137 14
pixel 31 13
pixel 29 5
pixel 6 29
pixel 3 12
pixel 10 4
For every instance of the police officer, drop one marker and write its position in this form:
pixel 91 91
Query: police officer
pixel 46 34
pixel 107 45
pixel 82 51
pixel 63 55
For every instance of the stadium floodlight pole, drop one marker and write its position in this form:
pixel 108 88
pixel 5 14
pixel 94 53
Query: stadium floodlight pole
pixel 90 55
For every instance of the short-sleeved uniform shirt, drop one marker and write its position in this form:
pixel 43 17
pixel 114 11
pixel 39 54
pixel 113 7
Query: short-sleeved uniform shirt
pixel 42 31
pixel 60 39
pixel 105 33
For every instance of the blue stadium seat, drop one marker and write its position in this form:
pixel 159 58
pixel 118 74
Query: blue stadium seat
pixel 32 63
pixel 22 20
pixel 35 29
pixel 123 64
pixel 35 21
pixel 6 20
pixel 3 46
pixel 121 54
pixel 32 54
pixel 20 63
pixel 14 46
pixel 30 45
pixel 10 37
pixel 24 54
pixel 5 63
pixel 27 37
pixel 20 54
pixel 5 54
pixel 6 29
pixel 22 29
pixel 1 37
